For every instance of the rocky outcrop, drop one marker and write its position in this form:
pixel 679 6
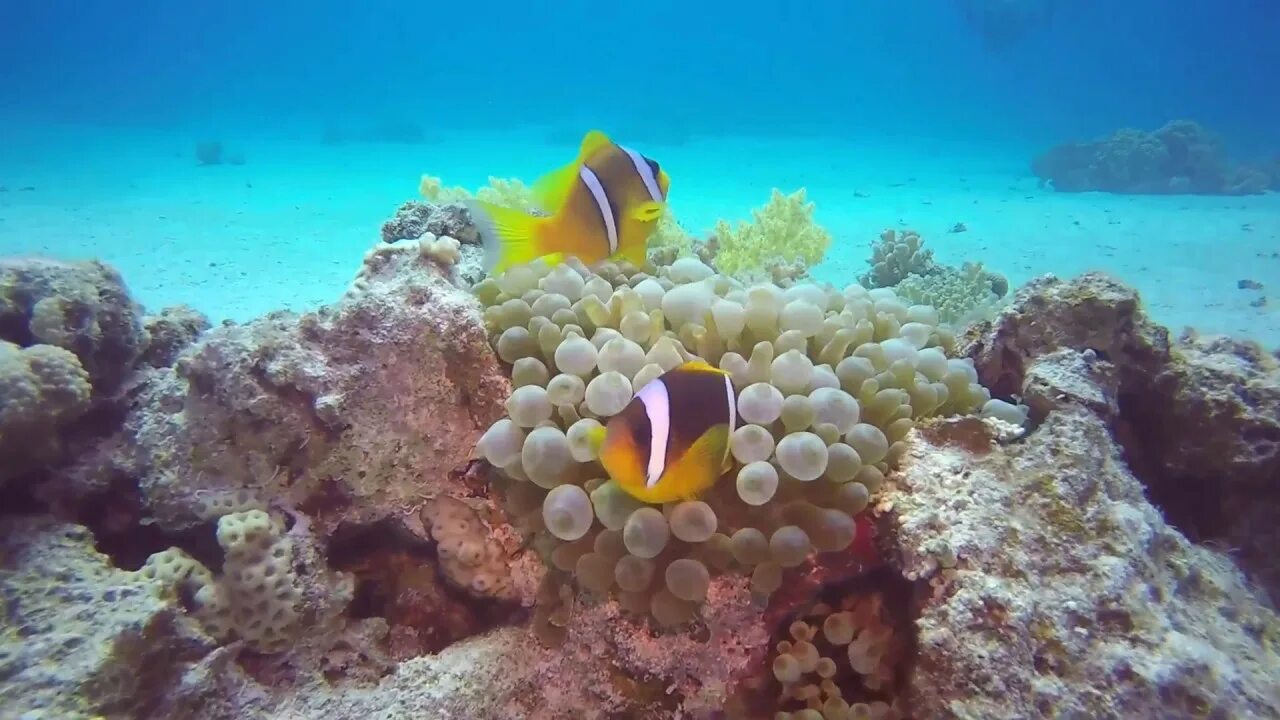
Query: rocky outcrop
pixel 1198 419
pixel 348 413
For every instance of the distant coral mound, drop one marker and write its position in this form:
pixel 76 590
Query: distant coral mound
pixel 1003 23
pixel 1180 158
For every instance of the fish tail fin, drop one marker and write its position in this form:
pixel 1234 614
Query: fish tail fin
pixel 509 237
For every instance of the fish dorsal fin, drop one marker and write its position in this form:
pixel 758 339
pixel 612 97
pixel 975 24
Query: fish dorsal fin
pixel 699 365
pixel 551 191
pixel 592 143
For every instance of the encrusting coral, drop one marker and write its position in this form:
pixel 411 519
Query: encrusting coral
pixel 256 597
pixel 42 389
pixel 81 307
pixel 829 384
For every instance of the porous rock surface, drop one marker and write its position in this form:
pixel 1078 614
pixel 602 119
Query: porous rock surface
pixel 83 307
pixel 1198 419
pixel 351 412
pixel 82 639
pixel 1055 587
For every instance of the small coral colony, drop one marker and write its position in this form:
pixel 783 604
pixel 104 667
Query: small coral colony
pixel 685 409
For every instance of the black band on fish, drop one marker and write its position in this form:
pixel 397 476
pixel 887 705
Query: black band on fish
pixel 602 201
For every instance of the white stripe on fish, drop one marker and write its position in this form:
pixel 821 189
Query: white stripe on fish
pixel 657 405
pixel 602 201
pixel 646 173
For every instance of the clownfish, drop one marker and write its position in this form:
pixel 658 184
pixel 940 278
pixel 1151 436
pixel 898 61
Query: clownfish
pixel 671 442
pixel 604 204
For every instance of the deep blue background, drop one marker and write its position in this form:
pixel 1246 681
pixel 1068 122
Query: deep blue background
pixel 907 66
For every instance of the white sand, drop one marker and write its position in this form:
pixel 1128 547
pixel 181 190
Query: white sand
pixel 288 228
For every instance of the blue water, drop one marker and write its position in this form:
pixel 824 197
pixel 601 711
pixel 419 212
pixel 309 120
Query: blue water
pixel 666 67
pixel 907 113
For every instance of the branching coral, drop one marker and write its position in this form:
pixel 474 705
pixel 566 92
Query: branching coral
pixel 781 233
pixel 829 384
pixel 896 256
pixel 900 260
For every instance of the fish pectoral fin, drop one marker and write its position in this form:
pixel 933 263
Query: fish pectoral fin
pixel 551 191
pixel 510 237
pixel 701 464
pixel 649 211
pixel 637 255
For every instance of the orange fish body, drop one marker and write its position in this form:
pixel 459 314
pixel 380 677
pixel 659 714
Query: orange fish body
pixel 604 204
pixel 671 442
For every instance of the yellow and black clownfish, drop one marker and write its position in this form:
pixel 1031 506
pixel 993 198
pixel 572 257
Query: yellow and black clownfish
pixel 604 204
pixel 671 442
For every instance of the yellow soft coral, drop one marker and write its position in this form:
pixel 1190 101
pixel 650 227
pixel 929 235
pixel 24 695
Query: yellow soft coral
pixel 669 241
pixel 781 230
pixel 509 193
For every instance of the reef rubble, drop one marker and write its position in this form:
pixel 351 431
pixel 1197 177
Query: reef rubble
pixel 1108 560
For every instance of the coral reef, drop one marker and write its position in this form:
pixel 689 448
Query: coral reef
pixel 1052 587
pixel 259 596
pixel 1069 595
pixel 961 295
pixel 512 193
pixel 670 241
pixel 289 522
pixel 170 332
pixel 1181 157
pixel 415 219
pixel 354 410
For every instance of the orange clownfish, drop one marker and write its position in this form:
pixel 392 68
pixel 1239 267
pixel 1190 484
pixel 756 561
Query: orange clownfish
pixel 604 204
pixel 671 442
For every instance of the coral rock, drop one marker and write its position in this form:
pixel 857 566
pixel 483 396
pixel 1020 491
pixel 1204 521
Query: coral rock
pixel 82 639
pixel 170 332
pixel 1071 596
pixel 1199 420
pixel 82 307
pixel 375 398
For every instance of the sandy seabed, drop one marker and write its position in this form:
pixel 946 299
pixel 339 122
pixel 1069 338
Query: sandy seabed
pixel 287 228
